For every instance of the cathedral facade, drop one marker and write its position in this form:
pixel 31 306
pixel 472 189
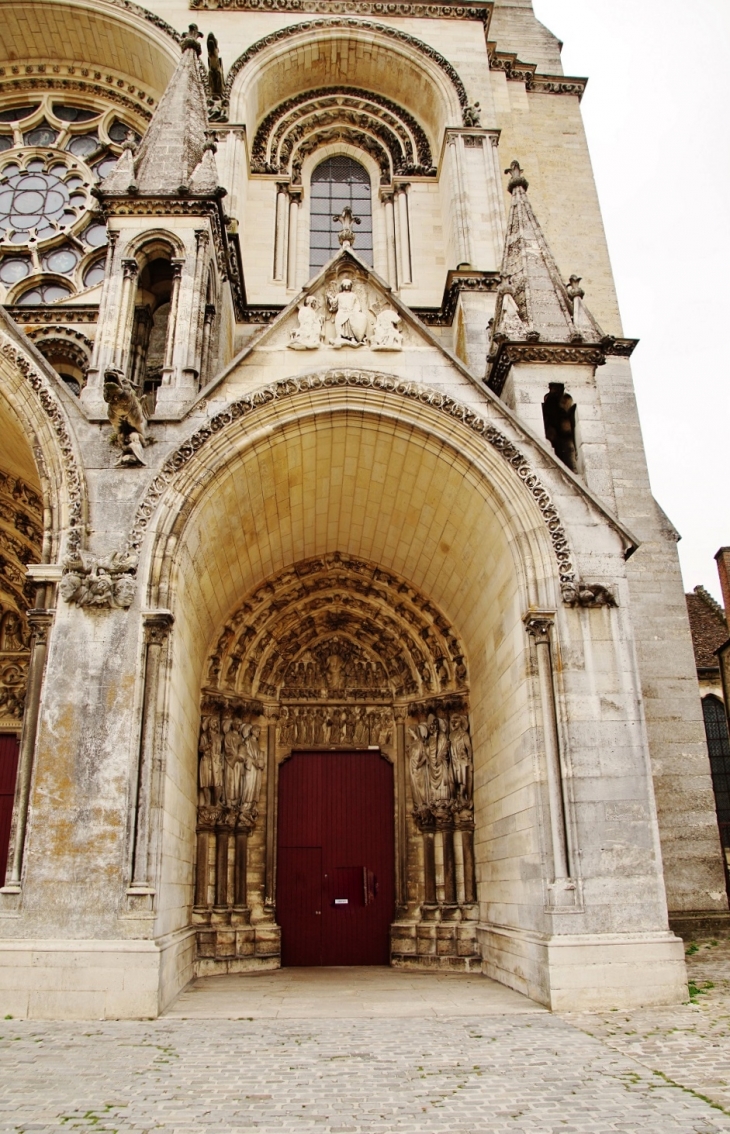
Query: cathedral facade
pixel 338 622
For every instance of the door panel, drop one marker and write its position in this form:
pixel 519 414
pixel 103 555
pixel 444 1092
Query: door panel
pixel 340 804
pixel 300 905
pixel 8 772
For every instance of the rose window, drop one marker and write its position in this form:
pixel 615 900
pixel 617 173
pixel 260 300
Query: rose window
pixel 52 154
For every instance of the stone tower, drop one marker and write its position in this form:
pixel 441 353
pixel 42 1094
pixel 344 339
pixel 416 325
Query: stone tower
pixel 339 624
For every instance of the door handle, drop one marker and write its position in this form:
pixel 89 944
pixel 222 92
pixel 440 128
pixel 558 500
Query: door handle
pixel 318 911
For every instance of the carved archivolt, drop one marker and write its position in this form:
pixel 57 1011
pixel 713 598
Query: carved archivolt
pixel 20 543
pixel 361 379
pixel 337 629
pixel 74 494
pixel 294 126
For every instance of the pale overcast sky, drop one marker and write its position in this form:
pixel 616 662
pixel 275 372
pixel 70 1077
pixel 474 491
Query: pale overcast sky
pixel 656 115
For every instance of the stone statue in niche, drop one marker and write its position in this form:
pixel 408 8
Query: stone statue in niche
pixel 233 741
pixel 12 639
pixel 308 335
pixel 386 335
pixel 351 322
pixel 210 769
pixel 460 754
pixel 437 756
pixel 253 762
pixel 558 414
pixel 418 767
pixel 441 765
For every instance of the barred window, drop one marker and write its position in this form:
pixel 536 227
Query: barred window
pixel 336 182
pixel 718 745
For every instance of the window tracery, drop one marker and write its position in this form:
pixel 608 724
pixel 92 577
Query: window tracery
pixel 52 154
pixel 338 182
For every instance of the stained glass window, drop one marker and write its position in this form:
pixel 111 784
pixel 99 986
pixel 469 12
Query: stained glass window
pixel 336 182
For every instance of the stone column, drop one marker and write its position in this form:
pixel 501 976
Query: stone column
pixel 295 200
pixel 465 825
pixel 403 234
pixel 201 871
pixel 209 316
pixel 125 321
pixel 101 357
pixel 538 625
pixel 157 626
pixel 222 836
pixel 40 621
pixel 387 197
pixel 444 818
pixel 167 370
pixel 280 233
pixel 458 204
pixel 427 823
pixel 195 330
pixel 271 713
pixel 401 835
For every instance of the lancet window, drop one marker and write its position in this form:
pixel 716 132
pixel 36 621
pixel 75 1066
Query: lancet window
pixel 718 745
pixel 337 182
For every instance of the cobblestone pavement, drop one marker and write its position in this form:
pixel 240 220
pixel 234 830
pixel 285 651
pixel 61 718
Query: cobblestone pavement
pixel 530 1073
pixel 691 1044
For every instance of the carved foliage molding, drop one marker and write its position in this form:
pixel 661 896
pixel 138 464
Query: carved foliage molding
pixel 315 26
pixel 386 383
pixel 57 419
pixel 481 12
pixel 21 524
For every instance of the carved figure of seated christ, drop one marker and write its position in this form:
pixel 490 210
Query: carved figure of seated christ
pixel 350 320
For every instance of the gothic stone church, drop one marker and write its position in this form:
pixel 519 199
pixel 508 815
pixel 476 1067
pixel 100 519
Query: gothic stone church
pixel 339 623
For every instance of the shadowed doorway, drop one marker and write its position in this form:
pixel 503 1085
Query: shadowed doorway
pixel 335 892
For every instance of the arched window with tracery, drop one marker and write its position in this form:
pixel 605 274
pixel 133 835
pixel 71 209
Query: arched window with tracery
pixel 718 744
pixel 336 182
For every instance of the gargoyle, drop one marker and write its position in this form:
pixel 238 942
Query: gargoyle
pixel 127 416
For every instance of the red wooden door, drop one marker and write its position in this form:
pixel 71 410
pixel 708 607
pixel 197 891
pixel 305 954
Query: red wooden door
pixel 335 854
pixel 8 771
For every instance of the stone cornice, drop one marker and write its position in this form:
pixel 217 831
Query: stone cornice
pixel 361 380
pixel 26 315
pixel 456 282
pixel 519 72
pixel 479 10
pixel 552 354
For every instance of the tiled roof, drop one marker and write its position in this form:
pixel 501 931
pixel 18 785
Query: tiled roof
pixel 707 625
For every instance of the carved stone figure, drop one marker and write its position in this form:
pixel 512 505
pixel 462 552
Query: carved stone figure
pixel 460 752
pixel 386 335
pixel 471 115
pixel 350 319
pixel 511 324
pixel 215 68
pixel 346 235
pixel 558 413
pixel 308 335
pixel 234 736
pixel 127 416
pixel 587 594
pixel 253 765
pixel 210 768
pixel 437 754
pixel 418 767
pixel 11 634
pixel 105 582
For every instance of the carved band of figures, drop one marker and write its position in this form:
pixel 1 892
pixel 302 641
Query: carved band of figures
pixel 349 725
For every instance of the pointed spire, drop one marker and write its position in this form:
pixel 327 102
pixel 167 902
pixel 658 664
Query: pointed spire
pixel 175 155
pixel 534 303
